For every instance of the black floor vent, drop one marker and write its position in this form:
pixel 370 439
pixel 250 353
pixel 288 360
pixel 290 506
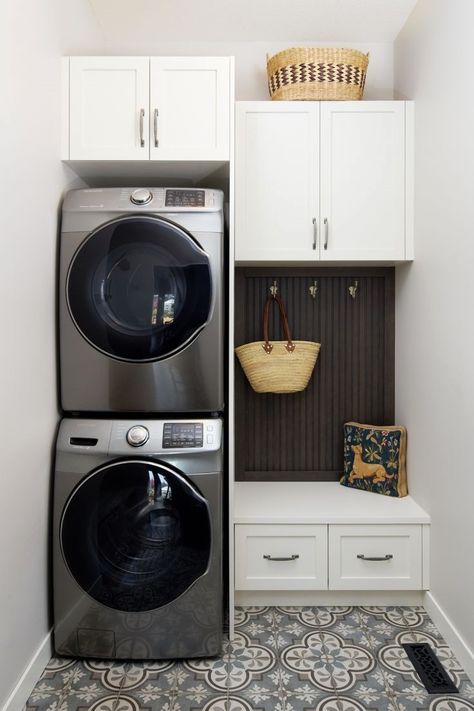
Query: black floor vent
pixel 430 670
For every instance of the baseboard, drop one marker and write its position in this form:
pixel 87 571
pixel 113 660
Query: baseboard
pixel 30 676
pixel 452 636
pixel 328 597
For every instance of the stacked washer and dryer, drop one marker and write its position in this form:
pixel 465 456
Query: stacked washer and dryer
pixel 137 549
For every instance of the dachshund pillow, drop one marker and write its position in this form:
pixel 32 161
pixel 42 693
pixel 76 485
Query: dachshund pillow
pixel 375 458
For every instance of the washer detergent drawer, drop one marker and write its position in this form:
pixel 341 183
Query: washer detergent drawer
pixel 280 557
pixel 375 557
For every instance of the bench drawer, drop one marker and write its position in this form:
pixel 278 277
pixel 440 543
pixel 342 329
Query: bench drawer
pixel 280 557
pixel 375 557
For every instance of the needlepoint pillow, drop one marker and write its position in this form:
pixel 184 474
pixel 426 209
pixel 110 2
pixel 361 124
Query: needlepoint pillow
pixel 375 458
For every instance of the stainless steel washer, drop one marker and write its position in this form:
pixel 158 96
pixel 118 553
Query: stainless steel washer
pixel 141 300
pixel 137 550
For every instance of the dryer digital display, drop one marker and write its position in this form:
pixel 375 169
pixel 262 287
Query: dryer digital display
pixel 185 198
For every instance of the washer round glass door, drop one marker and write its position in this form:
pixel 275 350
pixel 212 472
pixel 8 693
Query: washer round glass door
pixel 136 534
pixel 139 288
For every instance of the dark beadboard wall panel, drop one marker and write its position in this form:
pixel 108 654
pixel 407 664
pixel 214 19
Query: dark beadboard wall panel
pixel 300 436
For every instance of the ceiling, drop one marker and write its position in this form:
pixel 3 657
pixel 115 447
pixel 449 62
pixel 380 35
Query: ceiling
pixel 253 20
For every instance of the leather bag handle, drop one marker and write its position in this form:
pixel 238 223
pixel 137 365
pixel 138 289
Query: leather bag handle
pixel 267 346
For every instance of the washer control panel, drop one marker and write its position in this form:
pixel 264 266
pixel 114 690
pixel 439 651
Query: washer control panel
pixel 186 436
pixel 181 435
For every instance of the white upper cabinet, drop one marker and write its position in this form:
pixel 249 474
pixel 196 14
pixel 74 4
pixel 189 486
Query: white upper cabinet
pixel 189 108
pixel 137 108
pixel 323 181
pixel 363 180
pixel 108 108
pixel 277 190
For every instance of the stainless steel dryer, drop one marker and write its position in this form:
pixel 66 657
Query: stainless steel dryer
pixel 141 300
pixel 137 551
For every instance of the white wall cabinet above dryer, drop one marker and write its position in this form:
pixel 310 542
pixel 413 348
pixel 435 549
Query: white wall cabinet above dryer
pixel 328 181
pixel 108 108
pixel 189 108
pixel 141 108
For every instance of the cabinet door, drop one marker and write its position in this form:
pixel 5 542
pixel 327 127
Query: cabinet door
pixel 276 189
pixel 363 180
pixel 109 108
pixel 189 108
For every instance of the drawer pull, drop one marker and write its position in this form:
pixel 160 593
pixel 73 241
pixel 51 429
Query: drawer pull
pixel 389 556
pixel 291 557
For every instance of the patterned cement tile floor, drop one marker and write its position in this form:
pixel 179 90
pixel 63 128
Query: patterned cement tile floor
pixel 282 659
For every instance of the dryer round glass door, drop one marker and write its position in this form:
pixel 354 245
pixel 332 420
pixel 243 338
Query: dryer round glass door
pixel 139 288
pixel 136 535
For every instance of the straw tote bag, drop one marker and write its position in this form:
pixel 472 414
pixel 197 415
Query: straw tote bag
pixel 281 366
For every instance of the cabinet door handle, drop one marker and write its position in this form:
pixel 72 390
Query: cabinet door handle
pixel 142 118
pixel 291 557
pixel 315 233
pixel 389 556
pixel 155 127
pixel 326 232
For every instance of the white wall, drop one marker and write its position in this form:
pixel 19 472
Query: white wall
pixel 250 62
pixel 434 57
pixel 33 37
pixel 250 21
pixel 249 29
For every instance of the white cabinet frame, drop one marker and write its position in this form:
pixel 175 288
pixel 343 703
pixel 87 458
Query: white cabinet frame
pixel 142 108
pixel 341 192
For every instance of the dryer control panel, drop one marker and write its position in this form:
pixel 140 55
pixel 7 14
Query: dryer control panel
pixel 195 209
pixel 148 199
pixel 187 198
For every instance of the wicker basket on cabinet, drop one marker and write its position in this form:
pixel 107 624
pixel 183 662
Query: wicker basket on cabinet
pixel 317 73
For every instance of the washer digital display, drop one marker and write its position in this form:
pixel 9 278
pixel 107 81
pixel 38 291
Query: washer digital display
pixel 181 435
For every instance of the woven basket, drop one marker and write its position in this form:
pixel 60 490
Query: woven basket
pixel 315 73
pixel 281 366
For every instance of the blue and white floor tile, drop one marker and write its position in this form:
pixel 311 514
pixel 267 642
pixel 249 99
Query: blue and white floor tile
pixel 281 659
